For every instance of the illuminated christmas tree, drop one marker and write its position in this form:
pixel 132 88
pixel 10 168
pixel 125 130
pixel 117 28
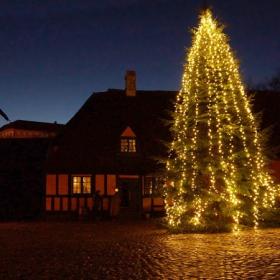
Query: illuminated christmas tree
pixel 216 169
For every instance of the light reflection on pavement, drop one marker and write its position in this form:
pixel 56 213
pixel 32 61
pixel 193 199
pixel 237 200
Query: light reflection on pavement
pixel 133 250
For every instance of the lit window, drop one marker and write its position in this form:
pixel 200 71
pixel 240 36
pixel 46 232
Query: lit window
pixel 153 186
pixel 158 186
pixel 148 187
pixel 128 145
pixel 81 184
pixel 86 185
pixel 124 145
pixel 132 145
pixel 77 184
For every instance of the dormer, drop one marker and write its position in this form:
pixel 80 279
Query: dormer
pixel 128 141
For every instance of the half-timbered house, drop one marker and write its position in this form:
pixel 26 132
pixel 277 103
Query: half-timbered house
pixel 112 144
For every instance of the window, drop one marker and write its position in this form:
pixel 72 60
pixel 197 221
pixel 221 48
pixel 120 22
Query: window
pixel 153 186
pixel 86 185
pixel 81 184
pixel 158 186
pixel 77 184
pixel 128 145
pixel 148 187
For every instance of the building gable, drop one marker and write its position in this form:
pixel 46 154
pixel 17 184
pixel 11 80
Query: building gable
pixel 128 132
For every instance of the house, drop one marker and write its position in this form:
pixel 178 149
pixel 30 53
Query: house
pixel 21 129
pixel 23 150
pixel 113 146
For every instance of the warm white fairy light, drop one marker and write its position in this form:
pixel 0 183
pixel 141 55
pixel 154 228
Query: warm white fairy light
pixel 212 107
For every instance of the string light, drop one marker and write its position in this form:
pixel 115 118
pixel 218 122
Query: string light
pixel 216 164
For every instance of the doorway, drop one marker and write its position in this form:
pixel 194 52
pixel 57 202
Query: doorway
pixel 130 195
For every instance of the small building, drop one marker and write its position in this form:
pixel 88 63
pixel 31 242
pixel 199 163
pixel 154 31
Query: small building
pixel 23 150
pixel 113 144
pixel 22 129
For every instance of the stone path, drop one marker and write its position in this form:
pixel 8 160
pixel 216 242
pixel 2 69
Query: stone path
pixel 114 250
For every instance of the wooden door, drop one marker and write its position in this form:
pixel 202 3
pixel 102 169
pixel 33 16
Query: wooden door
pixel 130 194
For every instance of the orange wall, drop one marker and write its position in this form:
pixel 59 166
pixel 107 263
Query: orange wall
pixel 99 183
pixel 51 184
pixel 58 194
pixel 63 184
pixel 111 184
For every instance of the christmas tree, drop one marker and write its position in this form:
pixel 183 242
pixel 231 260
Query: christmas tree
pixel 217 177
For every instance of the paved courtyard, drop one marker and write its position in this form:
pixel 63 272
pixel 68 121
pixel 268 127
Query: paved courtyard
pixel 140 250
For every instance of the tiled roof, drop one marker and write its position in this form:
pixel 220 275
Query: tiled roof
pixel 32 125
pixel 90 140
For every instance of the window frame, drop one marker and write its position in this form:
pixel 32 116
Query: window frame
pixel 83 184
pixel 148 186
pixel 131 145
pixel 153 186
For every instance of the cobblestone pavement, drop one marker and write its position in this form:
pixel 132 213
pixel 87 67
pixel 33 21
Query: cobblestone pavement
pixel 115 250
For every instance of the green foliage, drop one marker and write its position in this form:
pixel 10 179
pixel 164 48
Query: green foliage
pixel 216 170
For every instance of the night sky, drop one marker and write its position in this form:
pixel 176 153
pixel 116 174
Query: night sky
pixel 54 54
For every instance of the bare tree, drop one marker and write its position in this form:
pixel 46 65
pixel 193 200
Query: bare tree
pixel 4 115
pixel 272 84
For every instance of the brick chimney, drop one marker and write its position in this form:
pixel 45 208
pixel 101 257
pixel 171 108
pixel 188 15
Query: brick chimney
pixel 130 83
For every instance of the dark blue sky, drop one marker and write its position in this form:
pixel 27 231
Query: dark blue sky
pixel 54 54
